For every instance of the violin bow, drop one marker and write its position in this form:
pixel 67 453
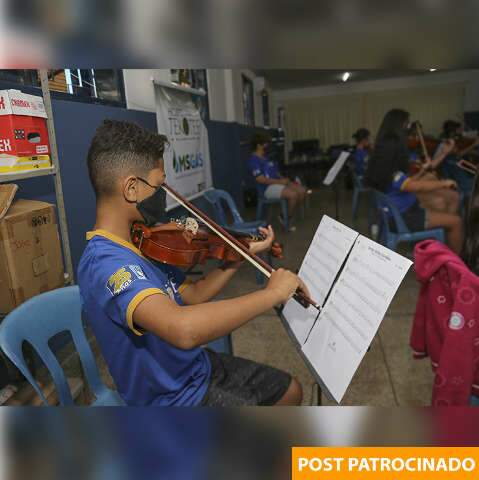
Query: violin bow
pixel 256 261
pixel 421 140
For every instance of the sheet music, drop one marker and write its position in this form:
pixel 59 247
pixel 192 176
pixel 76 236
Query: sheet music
pixel 353 312
pixel 336 168
pixel 326 254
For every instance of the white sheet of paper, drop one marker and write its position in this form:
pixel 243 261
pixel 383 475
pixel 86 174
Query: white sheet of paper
pixel 336 168
pixel 323 260
pixel 351 317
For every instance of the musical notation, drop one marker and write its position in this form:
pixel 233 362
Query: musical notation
pixel 353 312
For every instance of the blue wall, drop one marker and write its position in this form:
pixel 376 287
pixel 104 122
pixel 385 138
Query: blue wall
pixel 224 139
pixel 230 150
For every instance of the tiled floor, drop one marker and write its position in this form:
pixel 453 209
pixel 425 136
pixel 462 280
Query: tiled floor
pixel 388 376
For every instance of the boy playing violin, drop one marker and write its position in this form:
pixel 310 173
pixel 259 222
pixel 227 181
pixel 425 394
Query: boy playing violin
pixel 149 321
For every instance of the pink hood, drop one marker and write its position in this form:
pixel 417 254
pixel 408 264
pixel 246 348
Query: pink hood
pixel 431 255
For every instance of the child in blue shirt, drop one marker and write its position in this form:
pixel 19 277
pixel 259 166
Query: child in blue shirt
pixel 149 320
pixel 361 152
pixel 269 182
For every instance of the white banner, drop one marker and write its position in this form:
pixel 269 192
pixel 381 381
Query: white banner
pixel 187 159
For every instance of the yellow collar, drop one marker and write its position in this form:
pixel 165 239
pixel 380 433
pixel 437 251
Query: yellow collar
pixel 114 238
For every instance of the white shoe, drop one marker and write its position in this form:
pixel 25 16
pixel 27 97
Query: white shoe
pixel 292 228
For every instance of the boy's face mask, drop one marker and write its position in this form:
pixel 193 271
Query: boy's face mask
pixel 152 208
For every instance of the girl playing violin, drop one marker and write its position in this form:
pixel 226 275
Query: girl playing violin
pixel 149 320
pixel 444 200
pixel 456 148
pixel 388 172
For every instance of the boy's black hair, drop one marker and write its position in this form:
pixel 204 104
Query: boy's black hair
pixel 390 153
pixel 259 138
pixel 361 134
pixel 449 127
pixel 119 149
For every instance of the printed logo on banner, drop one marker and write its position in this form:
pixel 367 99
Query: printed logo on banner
pixel 2 103
pixel 188 161
pixel 180 127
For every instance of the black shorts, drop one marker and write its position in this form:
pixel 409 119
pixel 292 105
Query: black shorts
pixel 415 218
pixel 237 382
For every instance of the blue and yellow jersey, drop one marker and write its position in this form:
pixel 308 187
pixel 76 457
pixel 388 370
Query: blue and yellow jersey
pixel 402 199
pixel 114 278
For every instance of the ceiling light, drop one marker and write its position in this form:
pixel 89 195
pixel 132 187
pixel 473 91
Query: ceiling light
pixel 346 75
pixel 432 69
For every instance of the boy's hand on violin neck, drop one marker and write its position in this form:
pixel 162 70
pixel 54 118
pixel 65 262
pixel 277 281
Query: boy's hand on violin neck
pixel 263 245
pixel 284 284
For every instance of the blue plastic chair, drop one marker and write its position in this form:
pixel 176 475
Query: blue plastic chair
pixel 217 198
pixel 37 321
pixel 358 188
pixel 387 210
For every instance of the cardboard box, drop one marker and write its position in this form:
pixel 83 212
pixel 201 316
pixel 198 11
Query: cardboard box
pixel 7 194
pixel 30 253
pixel 23 130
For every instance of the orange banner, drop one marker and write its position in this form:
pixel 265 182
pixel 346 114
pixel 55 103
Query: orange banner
pixel 385 463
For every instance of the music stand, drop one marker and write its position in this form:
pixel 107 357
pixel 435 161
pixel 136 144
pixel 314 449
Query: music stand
pixel 332 176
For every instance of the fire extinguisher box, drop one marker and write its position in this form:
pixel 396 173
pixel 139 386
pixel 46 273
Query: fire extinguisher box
pixel 23 131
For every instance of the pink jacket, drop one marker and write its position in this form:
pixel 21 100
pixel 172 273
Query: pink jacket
pixel 446 323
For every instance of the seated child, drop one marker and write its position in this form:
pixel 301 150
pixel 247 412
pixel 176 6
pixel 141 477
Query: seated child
pixel 149 320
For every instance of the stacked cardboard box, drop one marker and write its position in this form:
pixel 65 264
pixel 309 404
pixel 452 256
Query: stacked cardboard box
pixel 30 253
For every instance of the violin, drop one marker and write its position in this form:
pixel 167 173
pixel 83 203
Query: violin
pixel 427 143
pixel 184 243
pixel 188 244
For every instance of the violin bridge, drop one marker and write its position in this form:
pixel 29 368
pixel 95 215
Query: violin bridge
pixel 188 224
pixel 191 225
